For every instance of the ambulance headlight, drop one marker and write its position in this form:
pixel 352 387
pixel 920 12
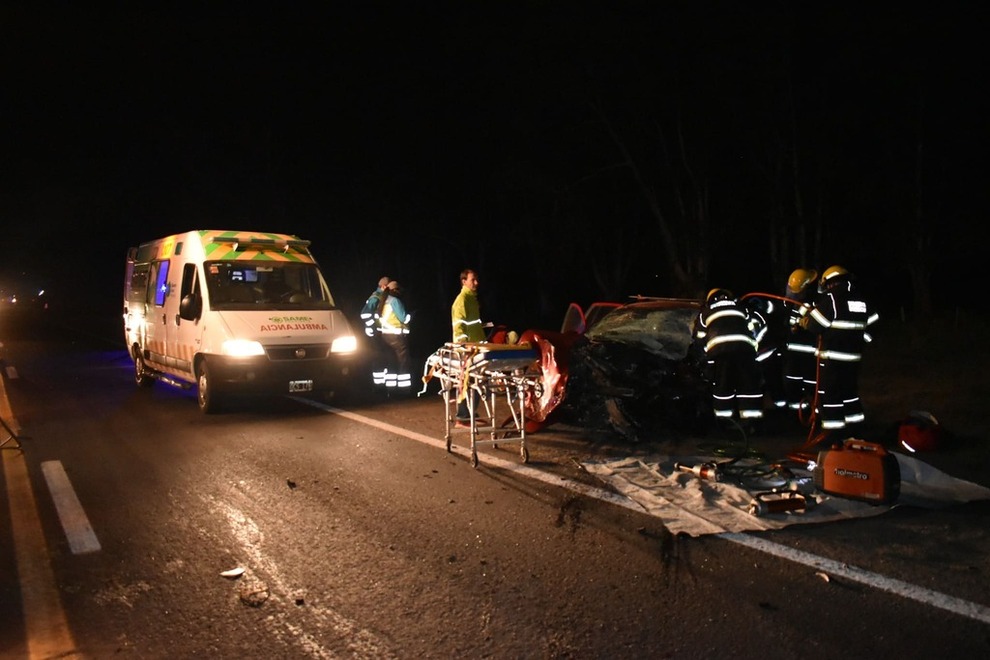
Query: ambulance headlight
pixel 242 348
pixel 345 344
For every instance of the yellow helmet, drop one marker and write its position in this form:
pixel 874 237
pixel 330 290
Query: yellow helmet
pixel 801 278
pixel 832 277
pixel 833 271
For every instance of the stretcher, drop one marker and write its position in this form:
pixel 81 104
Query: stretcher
pixel 497 376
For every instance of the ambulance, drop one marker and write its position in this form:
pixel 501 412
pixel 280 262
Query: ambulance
pixel 234 313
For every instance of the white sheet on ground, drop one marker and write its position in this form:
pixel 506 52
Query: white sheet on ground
pixel 693 506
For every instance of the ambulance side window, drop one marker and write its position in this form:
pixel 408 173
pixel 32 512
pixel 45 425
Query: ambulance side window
pixel 161 282
pixel 190 302
pixel 138 292
pixel 190 283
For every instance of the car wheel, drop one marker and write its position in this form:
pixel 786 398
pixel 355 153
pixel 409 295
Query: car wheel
pixel 206 395
pixel 141 375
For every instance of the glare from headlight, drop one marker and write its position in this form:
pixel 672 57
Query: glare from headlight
pixel 345 344
pixel 242 348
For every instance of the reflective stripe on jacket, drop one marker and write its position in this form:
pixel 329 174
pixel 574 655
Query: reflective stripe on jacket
pixel 841 317
pixel 725 324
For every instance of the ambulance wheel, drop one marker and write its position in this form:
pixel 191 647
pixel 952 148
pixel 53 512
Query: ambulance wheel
pixel 141 375
pixel 209 401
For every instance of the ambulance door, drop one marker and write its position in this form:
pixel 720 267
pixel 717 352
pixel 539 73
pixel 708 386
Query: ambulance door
pixel 136 310
pixel 158 290
pixel 183 334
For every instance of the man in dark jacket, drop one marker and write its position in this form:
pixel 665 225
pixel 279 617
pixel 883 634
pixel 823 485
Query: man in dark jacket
pixel 800 363
pixel 729 336
pixel 372 328
pixel 841 317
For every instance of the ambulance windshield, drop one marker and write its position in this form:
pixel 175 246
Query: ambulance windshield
pixel 250 285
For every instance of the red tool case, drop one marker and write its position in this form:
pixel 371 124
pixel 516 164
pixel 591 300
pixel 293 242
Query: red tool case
pixel 858 470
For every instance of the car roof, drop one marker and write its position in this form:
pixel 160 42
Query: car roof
pixel 647 304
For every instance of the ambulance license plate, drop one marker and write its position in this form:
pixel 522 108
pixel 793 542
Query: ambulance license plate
pixel 300 386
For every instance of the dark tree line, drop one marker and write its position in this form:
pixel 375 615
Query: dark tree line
pixel 568 152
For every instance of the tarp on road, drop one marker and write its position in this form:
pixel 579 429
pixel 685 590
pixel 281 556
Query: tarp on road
pixel 696 507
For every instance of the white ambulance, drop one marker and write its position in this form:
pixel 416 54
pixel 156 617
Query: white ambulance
pixel 231 313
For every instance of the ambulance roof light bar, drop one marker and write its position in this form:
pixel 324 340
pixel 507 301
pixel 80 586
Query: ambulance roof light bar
pixel 280 243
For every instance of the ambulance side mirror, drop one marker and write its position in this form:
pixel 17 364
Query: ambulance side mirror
pixel 190 307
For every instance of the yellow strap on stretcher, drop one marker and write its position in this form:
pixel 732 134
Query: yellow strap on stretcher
pixel 466 365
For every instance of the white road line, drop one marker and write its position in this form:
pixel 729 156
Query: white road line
pixel 47 632
pixel 942 601
pixel 78 531
pixel 925 596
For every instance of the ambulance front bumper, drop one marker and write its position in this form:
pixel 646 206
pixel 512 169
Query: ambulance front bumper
pixel 263 376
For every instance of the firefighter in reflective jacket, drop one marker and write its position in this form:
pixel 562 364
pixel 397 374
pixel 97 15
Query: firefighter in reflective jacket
pixel 841 317
pixel 729 336
pixel 394 326
pixel 769 318
pixel 800 362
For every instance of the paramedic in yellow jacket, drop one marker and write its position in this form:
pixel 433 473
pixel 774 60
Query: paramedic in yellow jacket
pixel 465 314
pixel 394 326
pixel 465 317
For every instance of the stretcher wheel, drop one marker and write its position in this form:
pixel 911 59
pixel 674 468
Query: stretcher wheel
pixel 449 442
pixel 524 453
pixel 474 459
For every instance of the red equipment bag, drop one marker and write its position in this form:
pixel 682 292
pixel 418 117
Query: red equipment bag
pixel 858 470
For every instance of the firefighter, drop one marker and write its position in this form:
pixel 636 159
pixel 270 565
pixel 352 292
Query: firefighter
pixel 841 317
pixel 800 363
pixel 394 325
pixel 729 335
pixel 771 319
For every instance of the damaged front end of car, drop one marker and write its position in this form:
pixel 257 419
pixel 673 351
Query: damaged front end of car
pixel 638 372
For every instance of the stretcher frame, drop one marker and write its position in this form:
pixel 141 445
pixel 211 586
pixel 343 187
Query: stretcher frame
pixel 492 374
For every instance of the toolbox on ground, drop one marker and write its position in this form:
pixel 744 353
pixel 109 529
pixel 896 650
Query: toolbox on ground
pixel 859 470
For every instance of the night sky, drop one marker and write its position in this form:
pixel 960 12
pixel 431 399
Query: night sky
pixel 525 139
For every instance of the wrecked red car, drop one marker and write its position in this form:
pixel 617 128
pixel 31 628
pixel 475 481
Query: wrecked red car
pixel 635 369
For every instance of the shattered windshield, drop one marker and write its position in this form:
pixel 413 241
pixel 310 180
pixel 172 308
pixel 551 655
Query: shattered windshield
pixel 664 332
pixel 241 285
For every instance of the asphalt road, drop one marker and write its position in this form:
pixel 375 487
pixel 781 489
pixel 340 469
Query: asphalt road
pixel 355 534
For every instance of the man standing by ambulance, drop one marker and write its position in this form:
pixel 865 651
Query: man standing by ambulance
pixel 370 316
pixel 394 324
